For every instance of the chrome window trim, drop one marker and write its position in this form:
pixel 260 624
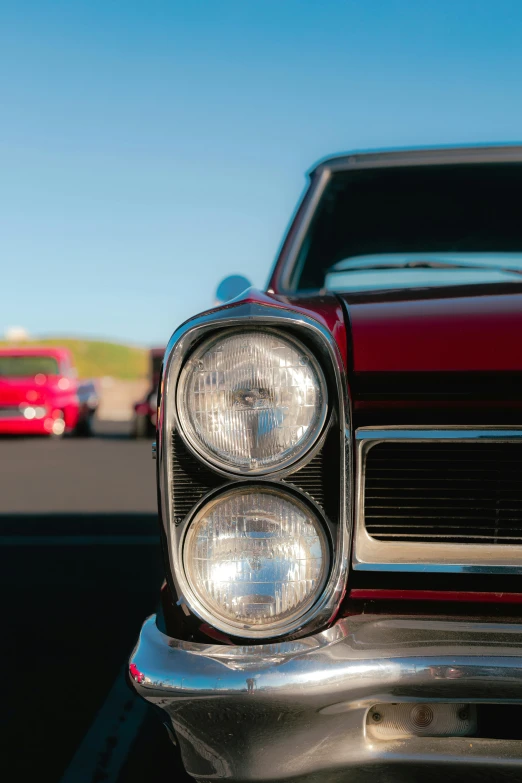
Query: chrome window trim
pixel 372 555
pixel 180 345
pixel 291 253
pixel 422 156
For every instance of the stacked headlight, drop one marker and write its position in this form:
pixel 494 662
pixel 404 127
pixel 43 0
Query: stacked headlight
pixel 251 401
pixel 256 558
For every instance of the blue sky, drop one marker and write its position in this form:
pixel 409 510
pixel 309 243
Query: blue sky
pixel 147 149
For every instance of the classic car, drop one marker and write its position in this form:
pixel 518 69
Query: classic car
pixel 145 411
pixel 339 463
pixel 41 395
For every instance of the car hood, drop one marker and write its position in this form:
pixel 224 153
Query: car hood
pixel 475 329
pixel 14 391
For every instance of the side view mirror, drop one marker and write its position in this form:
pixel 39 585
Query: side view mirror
pixel 230 287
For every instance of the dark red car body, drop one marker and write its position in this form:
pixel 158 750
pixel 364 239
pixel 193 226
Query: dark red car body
pixel 430 371
pixel 53 402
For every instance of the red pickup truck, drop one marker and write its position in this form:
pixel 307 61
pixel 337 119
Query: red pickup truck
pixel 40 393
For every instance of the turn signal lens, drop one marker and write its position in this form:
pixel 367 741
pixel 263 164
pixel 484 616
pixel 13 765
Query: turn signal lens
pixel 256 558
pixel 399 721
pixel 251 401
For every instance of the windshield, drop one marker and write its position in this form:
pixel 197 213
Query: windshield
pixel 458 213
pixel 27 366
pixel 417 270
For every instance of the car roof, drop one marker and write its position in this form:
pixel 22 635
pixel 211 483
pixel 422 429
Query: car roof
pixel 420 156
pixel 36 350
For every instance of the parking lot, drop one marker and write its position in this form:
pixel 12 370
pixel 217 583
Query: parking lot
pixel 80 570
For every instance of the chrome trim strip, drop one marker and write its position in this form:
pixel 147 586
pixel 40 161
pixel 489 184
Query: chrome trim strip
pixel 180 344
pixel 502 434
pixel 372 555
pixel 421 156
pixel 289 264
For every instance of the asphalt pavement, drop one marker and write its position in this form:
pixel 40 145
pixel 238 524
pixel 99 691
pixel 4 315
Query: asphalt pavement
pixel 80 569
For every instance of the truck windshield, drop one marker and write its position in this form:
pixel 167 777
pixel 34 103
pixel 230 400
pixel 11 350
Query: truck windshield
pixel 414 212
pixel 27 366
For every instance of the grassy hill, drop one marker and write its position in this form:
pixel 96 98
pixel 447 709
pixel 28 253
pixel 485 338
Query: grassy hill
pixel 96 359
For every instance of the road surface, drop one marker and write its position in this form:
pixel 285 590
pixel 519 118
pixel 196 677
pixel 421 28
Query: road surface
pixel 80 569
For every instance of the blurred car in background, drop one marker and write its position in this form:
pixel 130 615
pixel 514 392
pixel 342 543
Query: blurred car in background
pixel 88 401
pixel 41 395
pixel 145 411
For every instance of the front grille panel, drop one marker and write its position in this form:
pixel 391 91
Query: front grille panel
pixel 191 479
pixel 444 492
pixel 311 479
pixel 10 412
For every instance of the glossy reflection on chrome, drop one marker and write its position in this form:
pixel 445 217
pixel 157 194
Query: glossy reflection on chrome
pixel 323 346
pixel 372 554
pixel 251 400
pixel 313 695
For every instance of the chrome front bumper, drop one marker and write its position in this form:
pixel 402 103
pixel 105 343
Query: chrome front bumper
pixel 296 711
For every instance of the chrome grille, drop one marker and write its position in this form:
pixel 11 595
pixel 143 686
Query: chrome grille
pixel 444 492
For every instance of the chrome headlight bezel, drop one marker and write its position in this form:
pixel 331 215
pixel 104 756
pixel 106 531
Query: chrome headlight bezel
pixel 307 444
pixel 242 629
pixel 319 336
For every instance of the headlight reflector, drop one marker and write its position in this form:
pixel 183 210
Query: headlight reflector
pixel 252 400
pixel 256 558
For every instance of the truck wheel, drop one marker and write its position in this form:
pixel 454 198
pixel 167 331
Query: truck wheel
pixel 141 428
pixel 84 427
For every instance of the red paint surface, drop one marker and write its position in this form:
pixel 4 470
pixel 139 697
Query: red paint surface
pixel 326 310
pixel 475 333
pixel 366 594
pixel 40 391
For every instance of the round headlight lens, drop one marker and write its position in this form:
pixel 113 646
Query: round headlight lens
pixel 252 400
pixel 256 558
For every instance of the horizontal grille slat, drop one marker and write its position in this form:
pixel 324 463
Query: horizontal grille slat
pixel 311 478
pixel 444 492
pixel 191 480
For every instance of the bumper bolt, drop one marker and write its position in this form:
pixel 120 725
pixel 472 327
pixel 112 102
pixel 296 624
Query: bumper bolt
pixel 376 717
pixel 463 714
